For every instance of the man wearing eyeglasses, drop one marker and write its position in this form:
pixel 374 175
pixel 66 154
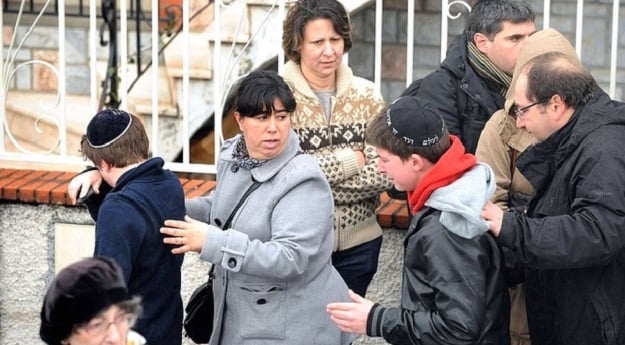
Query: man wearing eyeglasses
pixel 500 144
pixel 571 240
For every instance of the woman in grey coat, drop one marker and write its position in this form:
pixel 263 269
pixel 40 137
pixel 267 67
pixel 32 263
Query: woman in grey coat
pixel 273 271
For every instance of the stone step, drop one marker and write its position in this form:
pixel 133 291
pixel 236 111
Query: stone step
pixel 34 126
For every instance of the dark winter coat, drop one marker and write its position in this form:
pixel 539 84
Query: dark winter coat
pixel 572 240
pixel 453 290
pixel 127 229
pixel 465 99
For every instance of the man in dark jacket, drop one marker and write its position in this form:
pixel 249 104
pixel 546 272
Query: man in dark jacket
pixel 140 195
pixel 453 289
pixel 572 239
pixel 474 77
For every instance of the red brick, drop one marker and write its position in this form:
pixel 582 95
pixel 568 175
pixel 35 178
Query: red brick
pixel 11 183
pixel 26 192
pixel 51 187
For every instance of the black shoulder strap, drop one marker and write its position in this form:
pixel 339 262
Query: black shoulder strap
pixel 249 191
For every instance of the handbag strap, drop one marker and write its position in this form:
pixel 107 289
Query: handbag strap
pixel 250 189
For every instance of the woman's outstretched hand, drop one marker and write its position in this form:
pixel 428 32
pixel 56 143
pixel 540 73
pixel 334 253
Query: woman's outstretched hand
pixel 187 235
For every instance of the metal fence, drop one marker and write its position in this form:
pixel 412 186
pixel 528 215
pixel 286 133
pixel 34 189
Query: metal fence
pixel 136 40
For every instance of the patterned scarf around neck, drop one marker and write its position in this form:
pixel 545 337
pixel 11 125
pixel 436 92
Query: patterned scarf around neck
pixel 487 69
pixel 242 156
pixel 452 164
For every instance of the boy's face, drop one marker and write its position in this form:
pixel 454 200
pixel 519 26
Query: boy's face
pixel 400 173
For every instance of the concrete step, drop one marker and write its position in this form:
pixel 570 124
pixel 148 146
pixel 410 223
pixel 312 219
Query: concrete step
pixel 34 125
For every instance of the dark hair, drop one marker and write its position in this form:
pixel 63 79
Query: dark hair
pixel 380 135
pixel 487 16
pixel 554 73
pixel 304 11
pixel 257 92
pixel 130 148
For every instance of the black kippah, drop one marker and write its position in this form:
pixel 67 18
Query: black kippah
pixel 415 121
pixel 107 126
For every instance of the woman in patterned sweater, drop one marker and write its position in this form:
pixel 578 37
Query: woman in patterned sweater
pixel 333 109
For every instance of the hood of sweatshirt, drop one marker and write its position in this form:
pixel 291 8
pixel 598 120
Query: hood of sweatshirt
pixel 462 201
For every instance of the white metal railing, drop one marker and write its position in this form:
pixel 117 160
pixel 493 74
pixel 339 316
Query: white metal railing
pixel 224 69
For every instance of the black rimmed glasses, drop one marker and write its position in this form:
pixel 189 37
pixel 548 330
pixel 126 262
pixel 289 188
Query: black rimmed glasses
pixel 518 112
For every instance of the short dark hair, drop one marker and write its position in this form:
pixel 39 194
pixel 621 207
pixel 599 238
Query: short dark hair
pixel 257 92
pixel 487 16
pixel 555 73
pixel 304 11
pixel 380 135
pixel 132 147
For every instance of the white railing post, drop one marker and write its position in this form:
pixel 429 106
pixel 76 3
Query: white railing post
pixel 217 69
pixel 579 22
pixel 93 57
pixel 377 69
pixel 62 89
pixel 156 42
pixel 184 105
pixel 410 42
pixel 546 13
pixel 3 88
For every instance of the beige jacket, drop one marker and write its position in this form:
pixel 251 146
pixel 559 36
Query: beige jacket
pixel 501 140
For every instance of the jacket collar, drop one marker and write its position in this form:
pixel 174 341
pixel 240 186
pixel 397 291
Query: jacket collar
pixel 144 169
pixel 293 74
pixel 539 162
pixel 268 170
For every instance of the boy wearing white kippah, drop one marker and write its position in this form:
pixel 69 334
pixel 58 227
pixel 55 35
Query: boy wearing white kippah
pixel 453 289
pixel 132 199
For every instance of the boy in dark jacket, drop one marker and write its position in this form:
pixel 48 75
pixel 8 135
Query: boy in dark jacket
pixel 453 289
pixel 139 196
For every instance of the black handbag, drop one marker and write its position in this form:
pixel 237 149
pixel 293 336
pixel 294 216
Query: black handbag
pixel 198 322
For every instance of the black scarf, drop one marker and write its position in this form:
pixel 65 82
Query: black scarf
pixel 242 156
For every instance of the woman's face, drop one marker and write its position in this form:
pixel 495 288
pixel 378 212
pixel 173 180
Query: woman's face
pixel 110 327
pixel 266 135
pixel 322 48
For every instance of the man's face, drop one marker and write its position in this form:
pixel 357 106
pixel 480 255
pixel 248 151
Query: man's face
pixel 537 119
pixel 399 172
pixel 503 49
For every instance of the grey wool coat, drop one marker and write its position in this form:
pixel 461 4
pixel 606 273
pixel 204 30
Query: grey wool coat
pixel 273 272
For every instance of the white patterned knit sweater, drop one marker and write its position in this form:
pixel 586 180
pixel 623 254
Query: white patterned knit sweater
pixel 356 192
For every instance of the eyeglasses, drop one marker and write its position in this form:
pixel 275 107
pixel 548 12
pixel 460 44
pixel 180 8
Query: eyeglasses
pixel 99 325
pixel 517 112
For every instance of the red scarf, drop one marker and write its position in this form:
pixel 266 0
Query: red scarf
pixel 452 164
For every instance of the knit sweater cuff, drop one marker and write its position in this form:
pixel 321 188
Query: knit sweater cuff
pixel 349 161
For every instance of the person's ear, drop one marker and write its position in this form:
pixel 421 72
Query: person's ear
pixel 482 42
pixel 558 105
pixel 105 166
pixel 238 118
pixel 416 162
